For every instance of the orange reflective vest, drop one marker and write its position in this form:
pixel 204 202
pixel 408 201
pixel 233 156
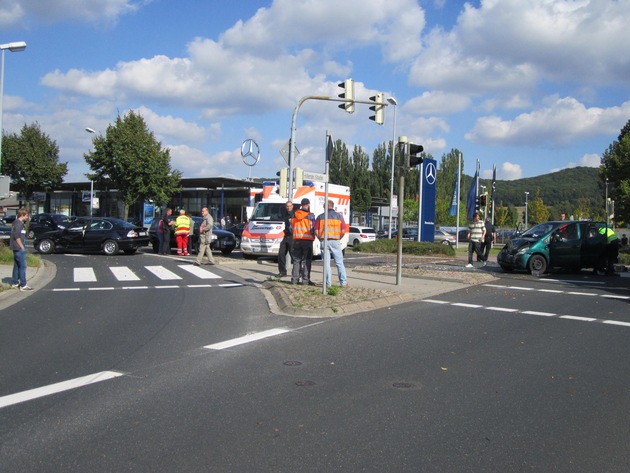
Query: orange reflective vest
pixel 182 225
pixel 336 225
pixel 302 223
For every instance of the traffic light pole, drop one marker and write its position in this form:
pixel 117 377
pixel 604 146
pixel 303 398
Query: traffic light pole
pixel 293 128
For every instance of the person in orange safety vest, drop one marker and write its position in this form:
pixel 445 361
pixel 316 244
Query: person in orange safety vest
pixel 182 228
pixel 303 224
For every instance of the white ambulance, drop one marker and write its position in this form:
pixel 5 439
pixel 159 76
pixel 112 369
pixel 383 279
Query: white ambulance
pixel 265 229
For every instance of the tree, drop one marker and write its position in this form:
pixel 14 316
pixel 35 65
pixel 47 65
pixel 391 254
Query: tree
pixel 137 165
pixel 537 211
pixel 615 168
pixel 31 159
pixel 340 167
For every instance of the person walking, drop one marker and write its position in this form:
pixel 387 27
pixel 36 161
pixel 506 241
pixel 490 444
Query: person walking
pixel 182 228
pixel 476 234
pixel 303 223
pixel 205 238
pixel 167 223
pixel 17 244
pixel 337 228
pixel 286 245
pixel 490 238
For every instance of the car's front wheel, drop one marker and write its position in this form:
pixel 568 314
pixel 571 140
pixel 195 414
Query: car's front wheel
pixel 537 264
pixel 110 248
pixel 226 251
pixel 356 242
pixel 46 246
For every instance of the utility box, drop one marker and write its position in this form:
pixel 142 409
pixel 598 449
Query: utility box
pixel 5 181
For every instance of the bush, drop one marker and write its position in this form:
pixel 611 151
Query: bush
pixel 418 248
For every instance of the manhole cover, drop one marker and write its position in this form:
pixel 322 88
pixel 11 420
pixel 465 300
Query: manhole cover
pixel 292 363
pixel 305 383
pixel 403 385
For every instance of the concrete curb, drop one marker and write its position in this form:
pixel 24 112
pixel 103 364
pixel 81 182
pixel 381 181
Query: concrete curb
pixel 37 278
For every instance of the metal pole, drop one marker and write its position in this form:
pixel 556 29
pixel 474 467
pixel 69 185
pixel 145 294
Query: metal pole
pixel 403 152
pixel 420 176
pixel 459 178
pixel 1 104
pixel 326 254
pixel 391 187
pixel 526 220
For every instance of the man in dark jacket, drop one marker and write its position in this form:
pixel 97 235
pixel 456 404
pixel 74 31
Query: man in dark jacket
pixel 303 224
pixel 286 245
pixel 166 232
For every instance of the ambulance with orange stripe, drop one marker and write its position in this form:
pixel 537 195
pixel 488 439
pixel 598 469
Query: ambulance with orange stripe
pixel 265 229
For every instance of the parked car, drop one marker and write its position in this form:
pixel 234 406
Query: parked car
pixel 408 233
pixel 567 245
pixel 9 219
pixel 444 237
pixel 94 234
pixel 358 235
pixel 5 232
pixel 42 223
pixel 222 240
pixel 237 230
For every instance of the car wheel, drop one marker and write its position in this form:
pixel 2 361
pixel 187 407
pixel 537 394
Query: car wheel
pixel 445 242
pixel 238 242
pixel 537 264
pixel 131 251
pixel 110 248
pixel 226 251
pixel 31 235
pixel 356 242
pixel 46 246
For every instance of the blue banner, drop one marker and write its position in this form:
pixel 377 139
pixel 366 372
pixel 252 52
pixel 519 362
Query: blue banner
pixel 429 177
pixel 472 197
pixel 455 199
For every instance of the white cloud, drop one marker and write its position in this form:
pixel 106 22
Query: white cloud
pixel 437 103
pixel 588 160
pixel 509 171
pixel 560 124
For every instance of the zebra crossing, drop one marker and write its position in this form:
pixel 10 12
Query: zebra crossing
pixel 148 277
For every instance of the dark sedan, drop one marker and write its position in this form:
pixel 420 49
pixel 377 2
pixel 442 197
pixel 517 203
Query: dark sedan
pixel 42 223
pixel 94 234
pixel 222 240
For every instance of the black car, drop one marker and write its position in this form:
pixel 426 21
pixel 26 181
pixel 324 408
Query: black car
pixel 42 223
pixel 106 234
pixel 237 230
pixel 222 240
pixel 5 233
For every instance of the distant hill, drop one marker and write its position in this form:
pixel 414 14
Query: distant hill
pixel 557 189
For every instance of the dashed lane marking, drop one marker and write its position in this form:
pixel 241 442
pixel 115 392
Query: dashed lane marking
pixel 556 291
pixel 84 275
pixel 123 273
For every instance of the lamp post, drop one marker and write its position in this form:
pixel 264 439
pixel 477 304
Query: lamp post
pixel 526 224
pixel 14 48
pixel 392 101
pixel 91 130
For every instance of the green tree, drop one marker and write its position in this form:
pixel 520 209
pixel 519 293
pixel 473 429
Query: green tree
pixel 615 168
pixel 361 200
pixel 129 156
pixel 501 215
pixel 582 210
pixel 537 211
pixel 31 159
pixel 410 210
pixel 340 166
pixel 380 181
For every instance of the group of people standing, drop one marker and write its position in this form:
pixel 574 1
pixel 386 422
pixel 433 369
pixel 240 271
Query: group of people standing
pixel 481 237
pixel 183 228
pixel 301 227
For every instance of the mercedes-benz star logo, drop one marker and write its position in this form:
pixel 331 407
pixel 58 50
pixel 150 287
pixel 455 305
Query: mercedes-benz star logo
pixel 250 151
pixel 430 173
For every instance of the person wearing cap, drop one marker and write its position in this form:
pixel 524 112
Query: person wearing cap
pixel 182 228
pixel 337 228
pixel 286 245
pixel 303 224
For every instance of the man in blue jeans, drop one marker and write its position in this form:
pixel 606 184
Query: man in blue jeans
pixel 17 244
pixel 337 228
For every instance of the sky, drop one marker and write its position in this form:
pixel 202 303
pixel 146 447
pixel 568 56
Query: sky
pixel 530 86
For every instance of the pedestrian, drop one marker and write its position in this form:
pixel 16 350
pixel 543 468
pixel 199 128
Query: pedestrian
pixel 182 228
pixel 222 223
pixel 337 228
pixel 476 234
pixel 286 245
pixel 17 244
pixel 167 223
pixel 563 216
pixel 612 249
pixel 205 238
pixel 489 239
pixel 303 224
pixel 191 233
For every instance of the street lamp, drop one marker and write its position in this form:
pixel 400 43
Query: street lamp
pixel 393 102
pixel 526 224
pixel 91 130
pixel 14 48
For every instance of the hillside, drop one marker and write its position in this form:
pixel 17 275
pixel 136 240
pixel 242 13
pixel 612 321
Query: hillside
pixel 556 189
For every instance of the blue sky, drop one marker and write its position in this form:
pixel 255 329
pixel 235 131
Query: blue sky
pixel 531 86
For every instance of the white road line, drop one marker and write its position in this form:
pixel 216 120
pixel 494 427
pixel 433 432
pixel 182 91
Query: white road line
pixel 135 287
pixel 230 285
pixel 616 322
pixel 575 293
pixel 199 272
pixel 100 288
pixel 84 275
pixel 520 288
pixel 67 289
pixel 247 339
pixel 534 312
pixel 612 296
pixel 434 301
pixel 471 306
pixel 57 388
pixel 162 273
pixel 501 309
pixel 198 285
pixel 551 291
pixel 123 273
pixel 575 317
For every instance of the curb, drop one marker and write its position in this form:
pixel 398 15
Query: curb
pixel 37 277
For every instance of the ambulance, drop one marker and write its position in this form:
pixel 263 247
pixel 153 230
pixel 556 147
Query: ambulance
pixel 265 230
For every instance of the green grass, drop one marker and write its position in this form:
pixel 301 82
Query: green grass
pixel 387 246
pixel 6 257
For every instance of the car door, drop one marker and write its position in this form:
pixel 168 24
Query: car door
pixel 565 246
pixel 95 233
pixel 593 244
pixel 72 237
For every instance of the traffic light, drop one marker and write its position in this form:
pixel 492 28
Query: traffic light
pixel 482 200
pixel 477 203
pixel 379 115
pixel 413 151
pixel 348 94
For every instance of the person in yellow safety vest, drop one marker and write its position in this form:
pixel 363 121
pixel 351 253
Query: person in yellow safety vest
pixel 303 223
pixel 182 228
pixel 612 249
pixel 337 228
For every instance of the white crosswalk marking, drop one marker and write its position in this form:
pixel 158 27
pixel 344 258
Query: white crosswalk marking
pixel 84 275
pixel 199 272
pixel 123 273
pixel 163 273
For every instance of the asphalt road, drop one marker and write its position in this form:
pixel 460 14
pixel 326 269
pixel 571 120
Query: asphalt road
pixel 515 376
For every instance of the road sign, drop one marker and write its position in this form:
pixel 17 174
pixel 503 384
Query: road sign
pixel 284 151
pixel 315 176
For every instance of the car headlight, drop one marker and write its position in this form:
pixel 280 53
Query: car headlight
pixel 214 237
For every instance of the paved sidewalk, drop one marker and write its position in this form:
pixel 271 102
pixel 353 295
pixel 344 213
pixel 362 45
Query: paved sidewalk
pixel 35 278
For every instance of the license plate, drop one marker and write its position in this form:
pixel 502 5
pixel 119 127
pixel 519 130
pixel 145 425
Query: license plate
pixel 142 234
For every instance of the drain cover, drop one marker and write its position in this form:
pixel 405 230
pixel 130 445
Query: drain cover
pixel 403 385
pixel 305 383
pixel 292 363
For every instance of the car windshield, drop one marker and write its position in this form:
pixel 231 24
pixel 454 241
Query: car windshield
pixel 539 231
pixel 268 211
pixel 60 219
